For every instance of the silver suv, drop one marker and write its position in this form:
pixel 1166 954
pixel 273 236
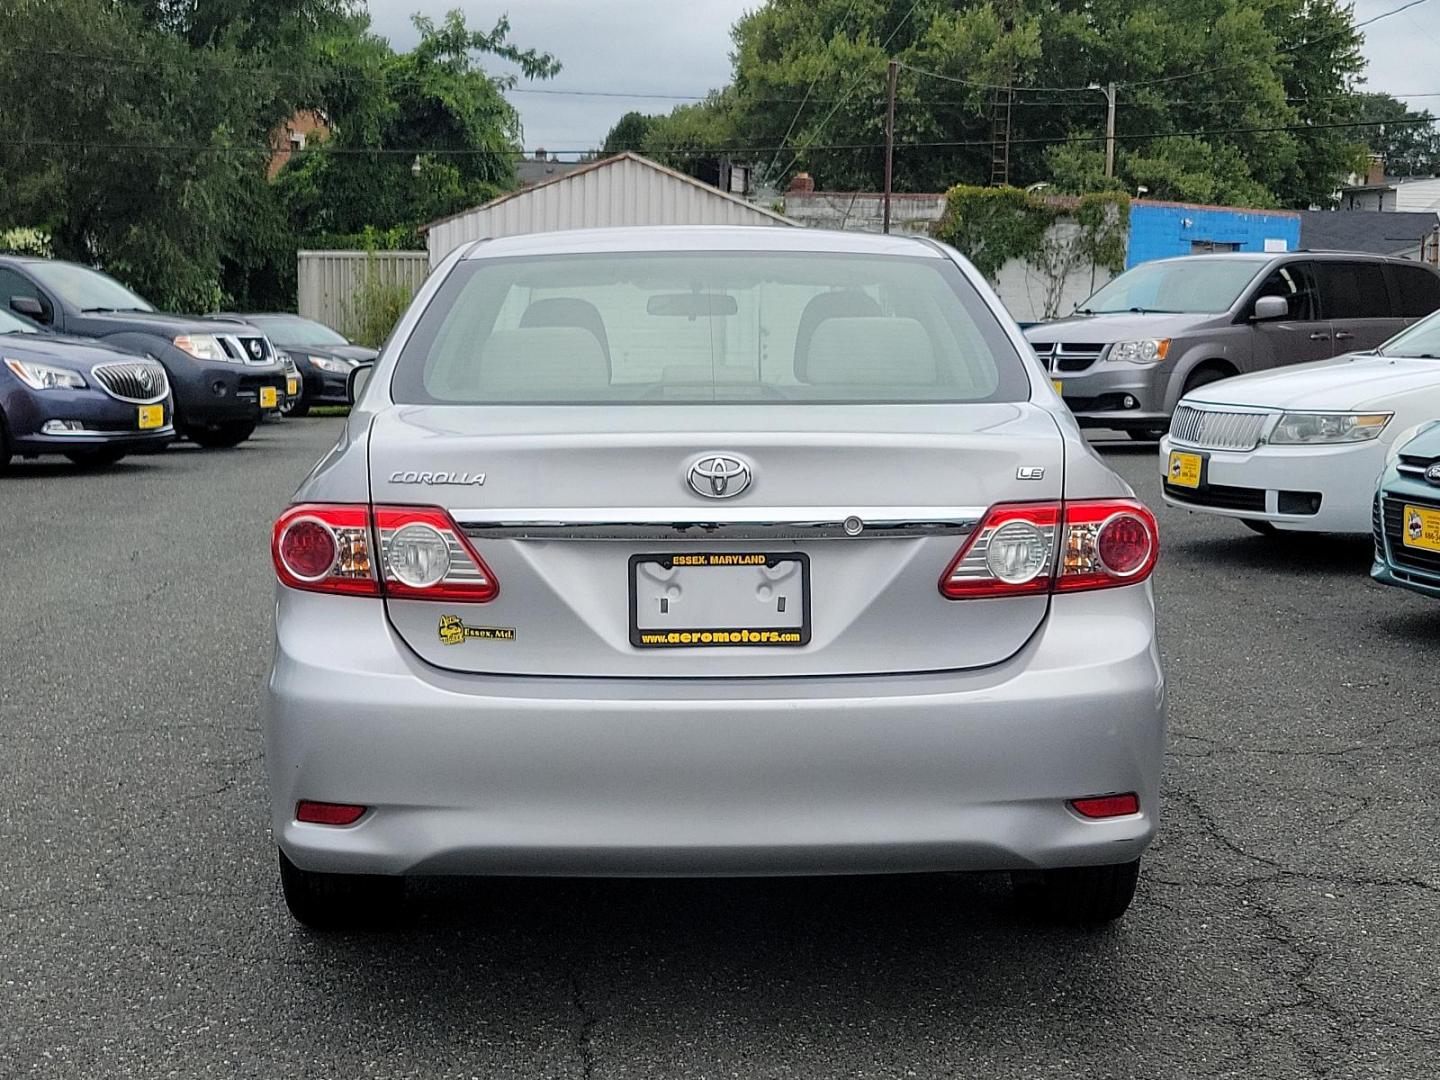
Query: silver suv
pixel 1163 328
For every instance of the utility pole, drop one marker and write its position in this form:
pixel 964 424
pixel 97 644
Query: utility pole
pixel 892 73
pixel 1110 130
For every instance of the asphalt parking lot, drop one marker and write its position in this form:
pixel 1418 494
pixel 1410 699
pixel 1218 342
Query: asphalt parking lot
pixel 1288 921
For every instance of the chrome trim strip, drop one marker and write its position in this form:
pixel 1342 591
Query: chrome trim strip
pixel 707 523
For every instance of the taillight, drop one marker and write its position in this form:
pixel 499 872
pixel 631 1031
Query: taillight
pixel 1108 542
pixel 1025 548
pixel 1010 554
pixel 421 554
pixel 325 548
pixel 425 556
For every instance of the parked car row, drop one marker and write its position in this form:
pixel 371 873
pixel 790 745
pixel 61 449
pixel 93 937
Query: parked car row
pixel 1294 393
pixel 93 372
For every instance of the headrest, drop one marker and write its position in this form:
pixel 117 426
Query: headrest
pixel 839 304
pixel 871 352
pixel 568 311
pixel 550 362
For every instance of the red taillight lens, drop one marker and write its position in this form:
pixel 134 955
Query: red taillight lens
pixel 1108 542
pixel 1107 806
pixel 328 813
pixel 1011 553
pixel 1097 544
pixel 425 556
pixel 422 554
pixel 322 547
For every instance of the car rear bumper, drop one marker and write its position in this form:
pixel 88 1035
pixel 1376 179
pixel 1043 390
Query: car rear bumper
pixel 1272 483
pixel 503 775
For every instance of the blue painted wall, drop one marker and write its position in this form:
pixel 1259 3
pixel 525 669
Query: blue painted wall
pixel 1163 230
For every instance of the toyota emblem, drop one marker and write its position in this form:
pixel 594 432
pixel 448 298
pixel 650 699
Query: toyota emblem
pixel 719 476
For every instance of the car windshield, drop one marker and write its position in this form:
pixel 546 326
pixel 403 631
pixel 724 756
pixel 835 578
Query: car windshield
pixel 1201 285
pixel 293 330
pixel 704 327
pixel 13 324
pixel 86 289
pixel 1421 340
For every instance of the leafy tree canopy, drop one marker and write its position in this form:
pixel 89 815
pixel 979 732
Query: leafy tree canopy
pixel 1210 92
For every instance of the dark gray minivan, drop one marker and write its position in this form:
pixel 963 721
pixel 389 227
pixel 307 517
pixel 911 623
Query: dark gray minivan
pixel 1163 328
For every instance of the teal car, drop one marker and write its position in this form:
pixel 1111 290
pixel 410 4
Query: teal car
pixel 1406 516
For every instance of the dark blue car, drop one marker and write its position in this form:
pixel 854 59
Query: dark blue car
pixel 92 403
pixel 323 358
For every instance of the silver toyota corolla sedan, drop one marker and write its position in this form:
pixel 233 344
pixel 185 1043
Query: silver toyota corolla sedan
pixel 711 551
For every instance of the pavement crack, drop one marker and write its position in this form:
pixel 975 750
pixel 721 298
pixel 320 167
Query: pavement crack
pixel 584 1033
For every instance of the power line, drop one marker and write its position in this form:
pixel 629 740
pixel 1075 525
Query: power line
pixel 411 151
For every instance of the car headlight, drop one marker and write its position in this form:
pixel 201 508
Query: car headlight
pixel 1295 429
pixel 203 347
pixel 1143 351
pixel 44 376
pixel 335 367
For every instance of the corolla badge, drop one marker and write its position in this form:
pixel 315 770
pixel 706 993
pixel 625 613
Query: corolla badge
pixel 1432 474
pixel 455 479
pixel 719 476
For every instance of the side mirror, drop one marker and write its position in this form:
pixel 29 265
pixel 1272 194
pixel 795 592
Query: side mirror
pixel 1268 308
pixel 30 307
pixel 356 382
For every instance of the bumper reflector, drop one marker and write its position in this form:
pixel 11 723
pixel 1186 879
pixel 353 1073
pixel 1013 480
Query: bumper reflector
pixel 328 813
pixel 1107 806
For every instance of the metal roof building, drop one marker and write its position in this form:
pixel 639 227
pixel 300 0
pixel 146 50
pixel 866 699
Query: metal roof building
pixel 626 189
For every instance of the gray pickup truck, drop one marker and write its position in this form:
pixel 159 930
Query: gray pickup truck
pixel 1163 328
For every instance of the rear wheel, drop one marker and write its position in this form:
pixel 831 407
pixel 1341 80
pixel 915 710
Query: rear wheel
pixel 221 436
pixel 340 901
pixel 1264 528
pixel 1080 895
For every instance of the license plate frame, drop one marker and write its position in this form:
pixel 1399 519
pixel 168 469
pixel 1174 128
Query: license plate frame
pixel 150 417
pixel 1184 469
pixel 703 634
pixel 269 397
pixel 1428 518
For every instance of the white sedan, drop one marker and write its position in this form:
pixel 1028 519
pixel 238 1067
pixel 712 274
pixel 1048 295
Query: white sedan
pixel 1300 448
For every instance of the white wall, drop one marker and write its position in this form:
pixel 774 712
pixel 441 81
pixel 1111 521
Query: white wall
pixel 1417 195
pixel 620 192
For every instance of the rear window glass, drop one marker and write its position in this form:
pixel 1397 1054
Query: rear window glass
pixel 1353 290
pixel 701 327
pixel 1419 290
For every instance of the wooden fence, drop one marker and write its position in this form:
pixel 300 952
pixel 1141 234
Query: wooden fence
pixel 330 282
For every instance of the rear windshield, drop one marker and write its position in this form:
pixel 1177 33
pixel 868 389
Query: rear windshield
pixel 701 327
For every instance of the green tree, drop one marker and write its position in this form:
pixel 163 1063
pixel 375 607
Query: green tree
pixel 1407 138
pixel 1223 76
pixel 628 133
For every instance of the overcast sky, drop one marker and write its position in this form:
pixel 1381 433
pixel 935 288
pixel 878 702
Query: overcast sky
pixel 683 47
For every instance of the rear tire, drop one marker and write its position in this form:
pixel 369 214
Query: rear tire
pixel 222 436
pixel 95 459
pixel 340 901
pixel 1264 528
pixel 1080 895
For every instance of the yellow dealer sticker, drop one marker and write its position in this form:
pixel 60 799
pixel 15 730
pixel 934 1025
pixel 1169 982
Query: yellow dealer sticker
pixel 453 631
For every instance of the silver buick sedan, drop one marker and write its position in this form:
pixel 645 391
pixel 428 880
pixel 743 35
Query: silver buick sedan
pixel 711 551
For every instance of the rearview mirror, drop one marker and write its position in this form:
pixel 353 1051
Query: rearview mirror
pixel 356 382
pixel 692 305
pixel 29 306
pixel 1271 307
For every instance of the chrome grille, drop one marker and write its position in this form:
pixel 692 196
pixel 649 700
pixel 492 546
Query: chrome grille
pixel 1414 464
pixel 1217 429
pixel 246 348
pixel 140 383
pixel 1067 355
